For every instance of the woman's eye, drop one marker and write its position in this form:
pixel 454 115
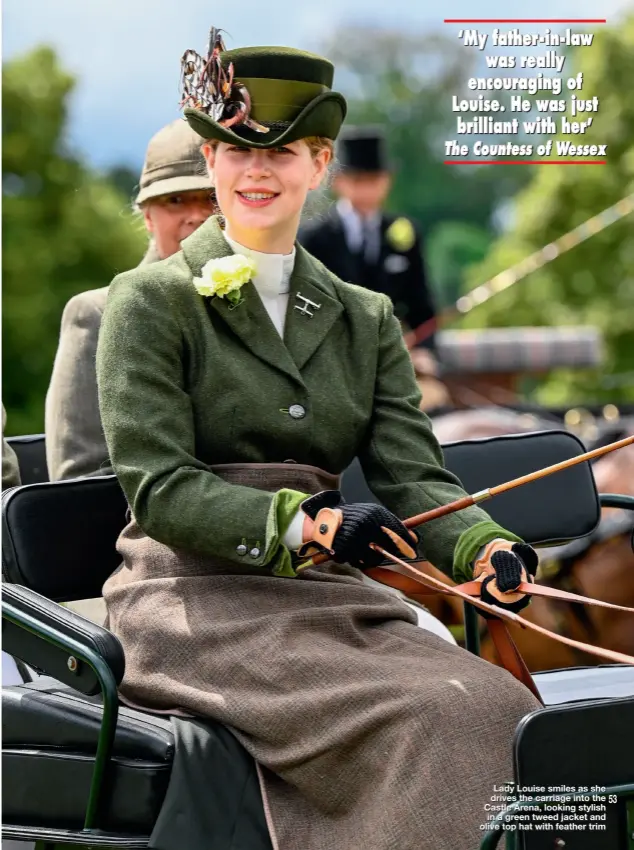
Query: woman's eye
pixel 282 150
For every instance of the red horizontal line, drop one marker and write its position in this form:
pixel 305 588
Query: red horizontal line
pixel 524 162
pixel 525 20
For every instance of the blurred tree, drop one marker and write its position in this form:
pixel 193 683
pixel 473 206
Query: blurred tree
pixel 65 229
pixel 453 247
pixel 593 283
pixel 126 181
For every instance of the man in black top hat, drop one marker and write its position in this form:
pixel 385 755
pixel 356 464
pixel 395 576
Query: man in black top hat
pixel 361 244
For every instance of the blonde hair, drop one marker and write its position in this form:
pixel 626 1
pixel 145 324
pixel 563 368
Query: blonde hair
pixel 320 143
pixel 315 144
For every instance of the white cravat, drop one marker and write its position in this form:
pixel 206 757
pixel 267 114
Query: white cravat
pixel 272 280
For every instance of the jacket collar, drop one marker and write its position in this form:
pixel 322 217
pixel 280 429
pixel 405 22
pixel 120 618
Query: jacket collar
pixel 303 334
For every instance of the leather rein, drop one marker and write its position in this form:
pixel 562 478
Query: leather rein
pixel 504 643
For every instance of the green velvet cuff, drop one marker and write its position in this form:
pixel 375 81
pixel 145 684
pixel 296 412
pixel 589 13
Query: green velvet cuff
pixel 284 506
pixel 471 541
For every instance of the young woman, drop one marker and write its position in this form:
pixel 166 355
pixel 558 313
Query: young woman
pixel 237 379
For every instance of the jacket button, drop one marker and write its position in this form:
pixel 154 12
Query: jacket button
pixel 255 552
pixel 297 411
pixel 241 549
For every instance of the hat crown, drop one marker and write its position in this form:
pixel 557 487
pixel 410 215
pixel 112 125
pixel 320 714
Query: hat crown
pixel 279 63
pixel 363 149
pixel 174 163
pixel 174 149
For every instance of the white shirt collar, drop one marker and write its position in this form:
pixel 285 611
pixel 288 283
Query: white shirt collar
pixel 273 274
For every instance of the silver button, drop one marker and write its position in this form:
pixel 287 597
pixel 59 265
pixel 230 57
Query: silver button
pixel 255 552
pixel 297 411
pixel 241 549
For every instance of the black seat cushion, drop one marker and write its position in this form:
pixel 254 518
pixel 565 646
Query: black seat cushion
pixel 59 538
pixel 180 780
pixel 31 453
pixel 49 743
pixel 554 509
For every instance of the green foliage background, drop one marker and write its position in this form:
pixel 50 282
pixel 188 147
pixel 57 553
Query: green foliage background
pixel 65 229
pixel 593 283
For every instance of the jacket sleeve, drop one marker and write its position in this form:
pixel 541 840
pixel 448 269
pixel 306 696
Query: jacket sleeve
pixel 421 303
pixel 75 443
pixel 148 421
pixel 403 462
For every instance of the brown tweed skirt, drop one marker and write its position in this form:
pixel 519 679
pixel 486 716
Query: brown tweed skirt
pixel 370 733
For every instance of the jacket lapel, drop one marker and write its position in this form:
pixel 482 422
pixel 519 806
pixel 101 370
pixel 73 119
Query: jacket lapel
pixel 303 332
pixel 250 321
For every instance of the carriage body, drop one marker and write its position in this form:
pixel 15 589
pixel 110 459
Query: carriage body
pixel 81 769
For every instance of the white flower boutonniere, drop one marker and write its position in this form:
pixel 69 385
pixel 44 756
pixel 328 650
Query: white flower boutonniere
pixel 225 276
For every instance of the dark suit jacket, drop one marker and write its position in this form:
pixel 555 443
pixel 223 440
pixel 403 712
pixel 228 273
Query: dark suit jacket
pixel 398 274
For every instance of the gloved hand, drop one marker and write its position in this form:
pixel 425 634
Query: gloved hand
pixel 502 568
pixel 344 531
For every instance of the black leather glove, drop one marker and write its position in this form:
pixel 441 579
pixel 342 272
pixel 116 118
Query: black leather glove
pixel 508 576
pixel 344 531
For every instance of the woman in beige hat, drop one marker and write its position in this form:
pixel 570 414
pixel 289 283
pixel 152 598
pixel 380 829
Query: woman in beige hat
pixel 237 380
pixel 175 197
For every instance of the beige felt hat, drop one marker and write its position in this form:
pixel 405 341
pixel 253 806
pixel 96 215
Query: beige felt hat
pixel 173 163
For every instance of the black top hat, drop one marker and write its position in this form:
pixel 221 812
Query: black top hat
pixel 363 149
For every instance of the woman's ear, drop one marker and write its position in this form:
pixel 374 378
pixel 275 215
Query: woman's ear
pixel 209 152
pixel 321 162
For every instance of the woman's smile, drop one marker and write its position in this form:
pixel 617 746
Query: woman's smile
pixel 256 197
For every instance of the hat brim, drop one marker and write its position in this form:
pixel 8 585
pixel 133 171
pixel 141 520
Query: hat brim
pixel 323 116
pixel 174 186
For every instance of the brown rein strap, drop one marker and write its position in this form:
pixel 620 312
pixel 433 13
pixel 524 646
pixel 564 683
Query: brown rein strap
pixel 508 652
pixel 473 589
pixel 510 656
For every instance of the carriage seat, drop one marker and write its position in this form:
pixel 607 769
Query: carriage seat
pixel 30 451
pixel 58 545
pixel 49 737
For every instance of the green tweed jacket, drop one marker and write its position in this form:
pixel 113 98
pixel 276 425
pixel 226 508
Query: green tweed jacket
pixel 186 382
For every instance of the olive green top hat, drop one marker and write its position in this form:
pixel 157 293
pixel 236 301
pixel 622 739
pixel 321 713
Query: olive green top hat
pixel 262 96
pixel 173 163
